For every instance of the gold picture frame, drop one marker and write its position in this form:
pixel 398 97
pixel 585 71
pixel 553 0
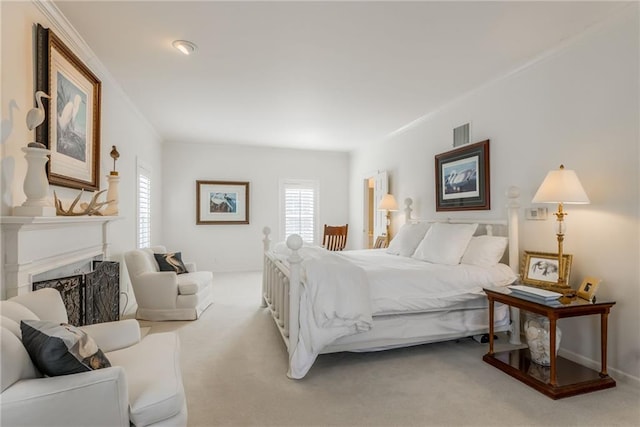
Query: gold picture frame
pixel 71 129
pixel 222 202
pixel 541 268
pixel 588 288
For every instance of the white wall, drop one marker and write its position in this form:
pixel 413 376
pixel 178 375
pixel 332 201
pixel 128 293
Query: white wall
pixel 577 106
pixel 121 123
pixel 239 247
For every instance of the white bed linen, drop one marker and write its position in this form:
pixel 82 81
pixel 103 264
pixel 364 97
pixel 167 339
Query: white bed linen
pixel 406 285
pixel 334 302
pixel 341 290
pixel 420 328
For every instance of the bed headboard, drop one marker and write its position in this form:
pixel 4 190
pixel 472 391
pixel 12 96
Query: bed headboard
pixel 501 227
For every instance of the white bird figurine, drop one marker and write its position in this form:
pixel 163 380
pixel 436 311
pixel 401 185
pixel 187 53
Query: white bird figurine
pixel 35 116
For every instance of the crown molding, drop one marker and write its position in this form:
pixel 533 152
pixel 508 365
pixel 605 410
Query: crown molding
pixel 621 12
pixel 66 32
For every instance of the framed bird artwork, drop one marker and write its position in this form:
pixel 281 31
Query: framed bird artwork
pixel 71 122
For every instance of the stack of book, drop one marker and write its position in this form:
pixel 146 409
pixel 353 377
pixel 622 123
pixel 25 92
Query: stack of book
pixel 537 294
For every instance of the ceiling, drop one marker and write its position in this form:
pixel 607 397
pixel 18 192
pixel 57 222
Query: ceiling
pixel 313 75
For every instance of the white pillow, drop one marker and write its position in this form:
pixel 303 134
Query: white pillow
pixel 485 251
pixel 445 243
pixel 408 239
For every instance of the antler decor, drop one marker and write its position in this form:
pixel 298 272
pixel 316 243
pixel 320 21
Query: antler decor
pixel 91 208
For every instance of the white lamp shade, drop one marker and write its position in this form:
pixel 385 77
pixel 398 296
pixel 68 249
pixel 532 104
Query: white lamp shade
pixel 561 186
pixel 388 203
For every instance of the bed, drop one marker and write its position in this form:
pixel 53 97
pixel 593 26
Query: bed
pixel 426 287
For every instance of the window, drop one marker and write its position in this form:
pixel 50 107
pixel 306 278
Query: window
pixel 299 209
pixel 144 206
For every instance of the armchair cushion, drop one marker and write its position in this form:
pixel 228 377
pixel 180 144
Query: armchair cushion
pixel 15 362
pixel 153 373
pixel 11 325
pixel 171 261
pixel 44 304
pixel 61 349
pixel 11 310
pixel 111 336
pixel 192 283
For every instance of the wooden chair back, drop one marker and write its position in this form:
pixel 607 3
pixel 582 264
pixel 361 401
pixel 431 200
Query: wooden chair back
pixel 381 242
pixel 335 237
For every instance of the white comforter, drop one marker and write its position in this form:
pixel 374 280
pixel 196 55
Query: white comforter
pixel 343 290
pixel 334 303
pixel 403 285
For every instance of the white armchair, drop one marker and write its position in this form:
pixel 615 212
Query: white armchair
pixel 142 387
pixel 165 295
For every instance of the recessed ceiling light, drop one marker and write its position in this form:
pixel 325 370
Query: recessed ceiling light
pixel 185 46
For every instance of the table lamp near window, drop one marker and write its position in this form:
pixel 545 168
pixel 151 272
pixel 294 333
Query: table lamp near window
pixel 561 186
pixel 388 204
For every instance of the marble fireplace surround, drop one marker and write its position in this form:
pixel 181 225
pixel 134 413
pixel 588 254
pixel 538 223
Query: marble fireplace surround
pixel 32 246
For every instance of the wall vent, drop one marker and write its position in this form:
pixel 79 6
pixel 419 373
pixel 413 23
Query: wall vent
pixel 461 135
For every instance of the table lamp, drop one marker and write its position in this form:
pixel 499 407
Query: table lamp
pixel 388 204
pixel 561 186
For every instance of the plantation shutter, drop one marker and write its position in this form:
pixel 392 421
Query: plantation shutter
pixel 300 200
pixel 144 207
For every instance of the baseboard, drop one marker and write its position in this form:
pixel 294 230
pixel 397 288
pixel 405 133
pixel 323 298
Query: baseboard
pixel 593 364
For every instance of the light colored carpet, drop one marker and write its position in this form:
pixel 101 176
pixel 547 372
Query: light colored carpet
pixel 234 366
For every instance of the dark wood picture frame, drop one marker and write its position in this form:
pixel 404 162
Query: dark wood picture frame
pixel 222 202
pixel 71 129
pixel 463 178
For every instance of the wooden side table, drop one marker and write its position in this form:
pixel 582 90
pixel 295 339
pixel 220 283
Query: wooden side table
pixel 563 378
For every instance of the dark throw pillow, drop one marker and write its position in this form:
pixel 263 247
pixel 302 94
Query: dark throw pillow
pixel 61 349
pixel 171 262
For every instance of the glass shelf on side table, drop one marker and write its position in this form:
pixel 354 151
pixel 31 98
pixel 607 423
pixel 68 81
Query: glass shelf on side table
pixel 563 377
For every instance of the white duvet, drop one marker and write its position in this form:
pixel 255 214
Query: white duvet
pixel 343 290
pixel 400 284
pixel 334 302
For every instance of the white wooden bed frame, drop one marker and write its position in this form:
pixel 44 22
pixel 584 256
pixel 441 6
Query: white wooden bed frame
pixel 281 283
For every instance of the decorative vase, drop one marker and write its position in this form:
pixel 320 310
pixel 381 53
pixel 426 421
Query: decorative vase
pixel 536 329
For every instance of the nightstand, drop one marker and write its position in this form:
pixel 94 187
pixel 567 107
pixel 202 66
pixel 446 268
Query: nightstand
pixel 563 378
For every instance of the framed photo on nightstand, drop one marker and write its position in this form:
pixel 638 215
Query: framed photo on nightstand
pixel 588 288
pixel 541 268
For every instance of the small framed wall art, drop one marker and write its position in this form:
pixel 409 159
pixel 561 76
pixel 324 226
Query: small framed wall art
pixel 588 288
pixel 463 178
pixel 71 129
pixel 541 268
pixel 222 202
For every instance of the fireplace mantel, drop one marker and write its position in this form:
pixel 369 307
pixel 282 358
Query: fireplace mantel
pixel 33 245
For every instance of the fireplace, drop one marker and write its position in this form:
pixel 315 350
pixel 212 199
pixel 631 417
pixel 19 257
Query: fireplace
pixel 89 298
pixel 32 247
